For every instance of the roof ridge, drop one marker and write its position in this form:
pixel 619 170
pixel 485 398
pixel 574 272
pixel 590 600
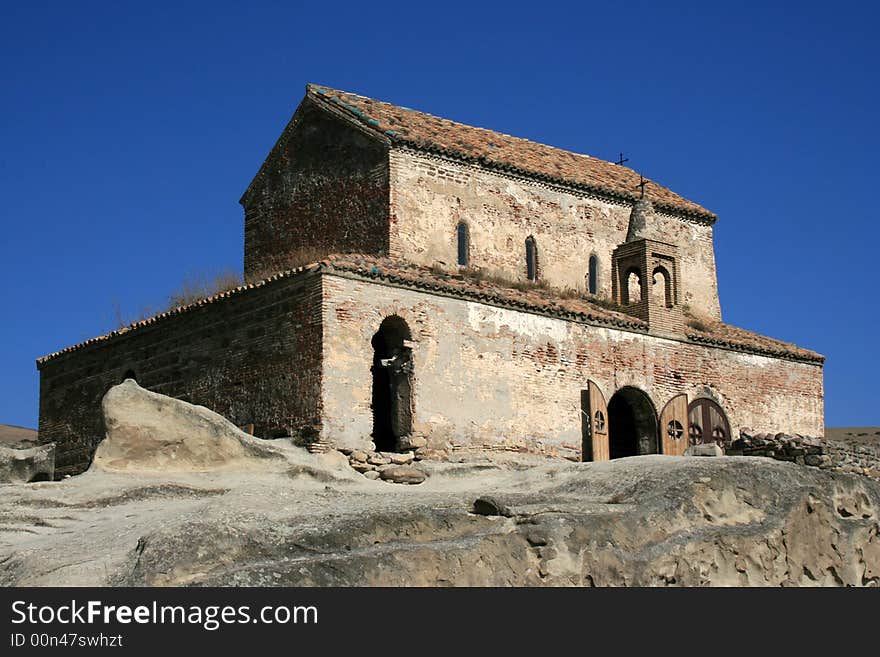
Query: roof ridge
pixel 318 88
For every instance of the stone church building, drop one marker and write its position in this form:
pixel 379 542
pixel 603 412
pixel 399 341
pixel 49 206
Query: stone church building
pixel 409 276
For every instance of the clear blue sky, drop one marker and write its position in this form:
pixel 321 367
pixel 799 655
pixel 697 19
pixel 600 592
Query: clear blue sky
pixel 130 130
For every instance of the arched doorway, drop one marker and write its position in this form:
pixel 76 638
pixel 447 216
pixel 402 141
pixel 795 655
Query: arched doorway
pixel 707 423
pixel 392 383
pixel 632 423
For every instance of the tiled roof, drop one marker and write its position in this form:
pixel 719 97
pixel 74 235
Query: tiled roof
pixel 492 292
pixel 545 301
pixel 176 311
pixel 724 335
pixel 406 127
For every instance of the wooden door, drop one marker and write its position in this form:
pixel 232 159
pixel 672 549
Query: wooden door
pixel 707 423
pixel 674 426
pixel 594 424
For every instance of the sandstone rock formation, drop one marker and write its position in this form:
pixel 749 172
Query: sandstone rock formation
pixel 650 520
pixel 149 431
pixel 179 497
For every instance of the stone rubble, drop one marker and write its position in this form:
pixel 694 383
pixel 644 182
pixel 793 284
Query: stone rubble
pixel 809 450
pixel 394 467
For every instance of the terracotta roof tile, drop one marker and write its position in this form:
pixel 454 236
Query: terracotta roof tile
pixel 492 292
pixel 726 335
pixel 496 292
pixel 407 127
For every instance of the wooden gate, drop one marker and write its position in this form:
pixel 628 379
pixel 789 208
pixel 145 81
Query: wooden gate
pixel 707 423
pixel 594 424
pixel 674 426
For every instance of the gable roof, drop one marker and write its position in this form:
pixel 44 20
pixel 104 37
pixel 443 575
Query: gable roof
pixel 491 292
pixel 405 127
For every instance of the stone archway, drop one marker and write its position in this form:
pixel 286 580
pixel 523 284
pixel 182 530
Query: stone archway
pixel 392 383
pixel 632 423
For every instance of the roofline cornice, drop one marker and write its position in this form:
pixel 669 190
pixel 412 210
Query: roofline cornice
pixel 571 316
pixel 437 288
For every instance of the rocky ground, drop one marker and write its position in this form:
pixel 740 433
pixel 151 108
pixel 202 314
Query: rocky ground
pixel 269 513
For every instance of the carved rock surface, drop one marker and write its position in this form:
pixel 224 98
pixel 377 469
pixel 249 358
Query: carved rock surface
pixel 309 520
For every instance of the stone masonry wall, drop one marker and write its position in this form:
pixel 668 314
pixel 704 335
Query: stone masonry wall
pixel 323 189
pixel 430 195
pixel 828 454
pixel 505 379
pixel 254 357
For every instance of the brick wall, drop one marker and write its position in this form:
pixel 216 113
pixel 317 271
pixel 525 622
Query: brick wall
pixel 323 189
pixel 430 195
pixel 254 357
pixel 510 379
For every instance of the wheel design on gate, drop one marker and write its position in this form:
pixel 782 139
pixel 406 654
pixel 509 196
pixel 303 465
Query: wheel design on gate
pixel 708 423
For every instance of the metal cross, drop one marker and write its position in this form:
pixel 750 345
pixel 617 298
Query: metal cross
pixel 622 159
pixel 642 183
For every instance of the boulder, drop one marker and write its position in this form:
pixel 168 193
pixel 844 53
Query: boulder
pixel 405 443
pixel 26 465
pixel 403 474
pixel 151 432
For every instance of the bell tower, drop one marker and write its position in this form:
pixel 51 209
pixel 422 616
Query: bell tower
pixel 645 275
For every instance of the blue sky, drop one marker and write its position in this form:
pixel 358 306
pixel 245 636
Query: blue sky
pixel 130 130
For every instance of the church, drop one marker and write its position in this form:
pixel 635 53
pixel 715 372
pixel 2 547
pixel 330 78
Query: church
pixel 411 281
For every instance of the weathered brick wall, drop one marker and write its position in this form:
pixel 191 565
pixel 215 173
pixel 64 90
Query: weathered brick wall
pixel 323 189
pixel 254 357
pixel 430 195
pixel 504 378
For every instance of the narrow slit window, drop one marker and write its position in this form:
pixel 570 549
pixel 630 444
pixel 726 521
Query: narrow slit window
pixel 593 275
pixel 463 244
pixel 531 259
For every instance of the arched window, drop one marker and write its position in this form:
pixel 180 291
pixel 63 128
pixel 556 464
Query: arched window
pixel 661 290
pixel 593 275
pixel 632 286
pixel 531 259
pixel 464 243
